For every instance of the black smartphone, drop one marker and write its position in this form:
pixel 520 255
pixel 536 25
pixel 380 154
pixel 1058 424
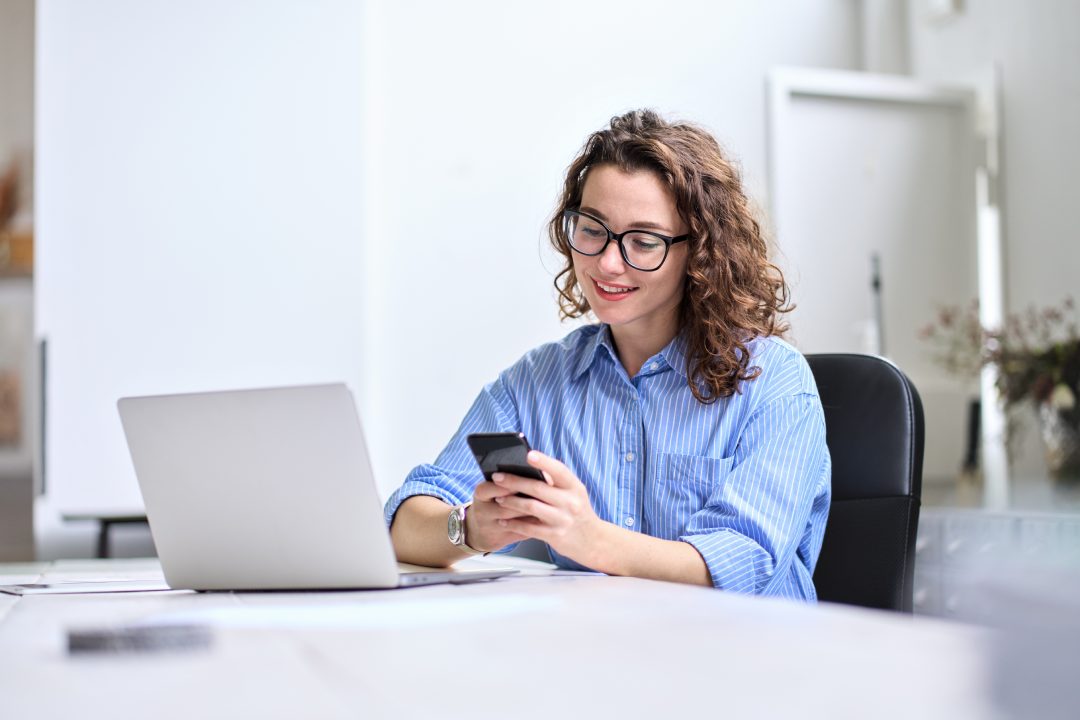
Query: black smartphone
pixel 503 452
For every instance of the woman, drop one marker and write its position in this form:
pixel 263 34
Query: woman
pixel 681 438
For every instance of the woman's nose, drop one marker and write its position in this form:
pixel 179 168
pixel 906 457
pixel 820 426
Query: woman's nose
pixel 611 260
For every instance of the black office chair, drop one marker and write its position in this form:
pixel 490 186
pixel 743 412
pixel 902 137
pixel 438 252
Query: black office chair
pixel 874 428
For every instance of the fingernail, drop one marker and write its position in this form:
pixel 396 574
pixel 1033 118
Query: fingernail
pixel 499 500
pixel 533 455
pixel 498 477
pixel 502 523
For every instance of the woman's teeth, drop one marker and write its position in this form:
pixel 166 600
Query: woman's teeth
pixel 613 290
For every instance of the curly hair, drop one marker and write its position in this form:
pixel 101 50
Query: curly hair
pixel 733 292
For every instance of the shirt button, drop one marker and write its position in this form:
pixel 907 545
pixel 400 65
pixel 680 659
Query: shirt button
pixel 629 457
pixel 654 366
pixel 628 521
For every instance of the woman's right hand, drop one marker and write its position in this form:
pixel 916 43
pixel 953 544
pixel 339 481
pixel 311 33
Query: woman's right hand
pixel 482 529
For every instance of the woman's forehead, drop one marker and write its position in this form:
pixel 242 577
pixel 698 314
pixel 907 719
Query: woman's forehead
pixel 638 196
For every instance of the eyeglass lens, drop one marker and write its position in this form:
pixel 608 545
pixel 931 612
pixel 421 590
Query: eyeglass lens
pixel 640 249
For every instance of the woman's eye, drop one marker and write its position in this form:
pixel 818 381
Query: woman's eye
pixel 646 243
pixel 593 232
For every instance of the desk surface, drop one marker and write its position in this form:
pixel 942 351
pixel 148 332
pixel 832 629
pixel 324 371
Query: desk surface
pixel 537 646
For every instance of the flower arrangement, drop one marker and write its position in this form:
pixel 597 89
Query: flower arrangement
pixel 16 238
pixel 1037 356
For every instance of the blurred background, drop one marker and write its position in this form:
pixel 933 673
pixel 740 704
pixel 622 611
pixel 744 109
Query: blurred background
pixel 209 195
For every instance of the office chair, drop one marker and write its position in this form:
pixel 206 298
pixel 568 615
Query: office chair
pixel 874 428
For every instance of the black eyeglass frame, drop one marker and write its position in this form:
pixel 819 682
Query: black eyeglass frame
pixel 618 238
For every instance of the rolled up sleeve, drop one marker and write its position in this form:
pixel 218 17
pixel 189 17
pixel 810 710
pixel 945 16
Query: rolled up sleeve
pixel 765 520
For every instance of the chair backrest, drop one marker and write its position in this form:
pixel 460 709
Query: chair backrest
pixel 874 430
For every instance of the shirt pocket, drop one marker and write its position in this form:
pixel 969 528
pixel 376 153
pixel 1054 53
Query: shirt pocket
pixel 682 486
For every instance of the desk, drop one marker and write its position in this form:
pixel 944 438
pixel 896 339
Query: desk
pixel 520 647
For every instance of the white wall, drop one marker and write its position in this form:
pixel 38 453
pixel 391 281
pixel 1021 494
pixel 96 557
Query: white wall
pixel 1035 48
pixel 200 204
pixel 477 109
pixel 857 175
pixel 246 193
pixel 291 190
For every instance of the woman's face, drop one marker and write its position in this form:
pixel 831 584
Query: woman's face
pixel 621 296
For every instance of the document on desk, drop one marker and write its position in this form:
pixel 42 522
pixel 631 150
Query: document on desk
pixel 524 566
pixel 72 587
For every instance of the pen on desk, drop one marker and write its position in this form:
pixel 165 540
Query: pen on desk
pixel 138 639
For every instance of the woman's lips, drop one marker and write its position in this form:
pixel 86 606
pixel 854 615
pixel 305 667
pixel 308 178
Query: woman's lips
pixel 615 293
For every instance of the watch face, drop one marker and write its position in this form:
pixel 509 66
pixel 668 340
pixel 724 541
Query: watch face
pixel 453 526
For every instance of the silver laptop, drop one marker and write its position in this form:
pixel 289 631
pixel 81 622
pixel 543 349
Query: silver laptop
pixel 266 489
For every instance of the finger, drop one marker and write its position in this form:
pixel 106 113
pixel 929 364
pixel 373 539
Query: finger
pixel 533 488
pixel 560 475
pixel 528 507
pixel 488 491
pixel 526 528
pixel 497 511
pixel 547 478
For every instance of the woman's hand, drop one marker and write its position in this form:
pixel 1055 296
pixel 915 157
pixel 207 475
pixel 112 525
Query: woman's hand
pixel 482 528
pixel 559 513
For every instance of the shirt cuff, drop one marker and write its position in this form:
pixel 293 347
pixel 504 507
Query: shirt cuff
pixel 733 566
pixel 411 489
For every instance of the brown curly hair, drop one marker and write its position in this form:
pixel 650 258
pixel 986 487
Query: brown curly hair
pixel 733 293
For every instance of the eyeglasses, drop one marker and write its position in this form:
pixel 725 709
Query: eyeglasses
pixel 641 249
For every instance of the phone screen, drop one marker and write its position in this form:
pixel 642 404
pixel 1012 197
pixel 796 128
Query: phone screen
pixel 502 452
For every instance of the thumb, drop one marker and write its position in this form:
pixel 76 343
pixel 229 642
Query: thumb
pixel 558 474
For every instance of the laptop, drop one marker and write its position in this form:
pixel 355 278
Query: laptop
pixel 268 489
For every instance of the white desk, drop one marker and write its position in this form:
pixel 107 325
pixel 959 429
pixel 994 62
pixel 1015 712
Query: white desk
pixel 551 647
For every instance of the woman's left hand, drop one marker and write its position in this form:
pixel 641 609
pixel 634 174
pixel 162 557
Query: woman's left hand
pixel 560 512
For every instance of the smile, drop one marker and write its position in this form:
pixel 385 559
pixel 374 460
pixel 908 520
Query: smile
pixel 612 292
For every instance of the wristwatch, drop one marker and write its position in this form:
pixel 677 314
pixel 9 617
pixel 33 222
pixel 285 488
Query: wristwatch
pixel 455 529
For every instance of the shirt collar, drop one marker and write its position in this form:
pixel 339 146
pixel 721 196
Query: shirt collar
pixel 673 354
pixel 600 339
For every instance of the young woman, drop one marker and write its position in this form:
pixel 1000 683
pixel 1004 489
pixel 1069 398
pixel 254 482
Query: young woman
pixel 681 438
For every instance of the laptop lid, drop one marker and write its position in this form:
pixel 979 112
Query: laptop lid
pixel 259 489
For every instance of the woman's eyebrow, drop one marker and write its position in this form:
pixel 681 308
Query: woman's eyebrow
pixel 639 225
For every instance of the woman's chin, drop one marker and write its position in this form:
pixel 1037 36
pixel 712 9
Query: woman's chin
pixel 610 317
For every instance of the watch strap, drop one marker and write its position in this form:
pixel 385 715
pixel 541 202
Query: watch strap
pixel 464 544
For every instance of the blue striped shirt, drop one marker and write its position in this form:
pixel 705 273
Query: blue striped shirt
pixel 745 480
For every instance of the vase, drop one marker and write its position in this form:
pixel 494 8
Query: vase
pixel 1060 431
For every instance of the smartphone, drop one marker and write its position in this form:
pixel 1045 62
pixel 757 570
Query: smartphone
pixel 503 452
